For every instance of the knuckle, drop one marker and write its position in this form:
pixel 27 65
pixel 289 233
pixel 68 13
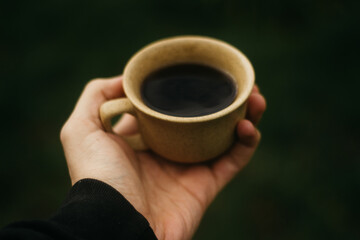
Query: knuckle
pixel 94 83
pixel 65 131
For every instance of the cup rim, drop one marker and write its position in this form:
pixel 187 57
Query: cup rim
pixel 249 71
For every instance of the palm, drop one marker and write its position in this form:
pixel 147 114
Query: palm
pixel 176 199
pixel 173 197
pixel 167 194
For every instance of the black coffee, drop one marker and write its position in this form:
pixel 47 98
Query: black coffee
pixel 188 90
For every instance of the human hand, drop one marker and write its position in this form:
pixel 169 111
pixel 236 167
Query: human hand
pixel 172 197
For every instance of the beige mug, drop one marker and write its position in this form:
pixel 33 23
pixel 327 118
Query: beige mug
pixel 182 139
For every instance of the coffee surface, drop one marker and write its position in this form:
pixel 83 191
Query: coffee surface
pixel 188 90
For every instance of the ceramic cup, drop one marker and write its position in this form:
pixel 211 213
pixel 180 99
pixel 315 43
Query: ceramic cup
pixel 182 139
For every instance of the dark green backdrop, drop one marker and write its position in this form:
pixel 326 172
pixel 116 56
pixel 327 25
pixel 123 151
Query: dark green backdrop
pixel 304 181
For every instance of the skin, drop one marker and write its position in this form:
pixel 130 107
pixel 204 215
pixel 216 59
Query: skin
pixel 172 197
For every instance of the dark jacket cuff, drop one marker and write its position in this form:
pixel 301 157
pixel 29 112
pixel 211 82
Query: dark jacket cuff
pixel 95 210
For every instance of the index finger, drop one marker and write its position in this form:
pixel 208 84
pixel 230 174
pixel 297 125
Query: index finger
pixel 96 93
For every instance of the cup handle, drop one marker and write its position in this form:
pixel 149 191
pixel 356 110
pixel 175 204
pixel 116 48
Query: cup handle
pixel 115 107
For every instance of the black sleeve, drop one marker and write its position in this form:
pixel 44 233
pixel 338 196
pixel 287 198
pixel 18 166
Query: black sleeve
pixel 92 210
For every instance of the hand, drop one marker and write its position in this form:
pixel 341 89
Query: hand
pixel 172 197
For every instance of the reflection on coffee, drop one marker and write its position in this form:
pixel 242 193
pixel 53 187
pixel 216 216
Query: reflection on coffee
pixel 188 90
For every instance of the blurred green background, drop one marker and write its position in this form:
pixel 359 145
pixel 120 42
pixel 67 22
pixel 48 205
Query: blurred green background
pixel 304 181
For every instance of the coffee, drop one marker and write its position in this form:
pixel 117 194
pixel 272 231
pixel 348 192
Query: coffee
pixel 188 90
